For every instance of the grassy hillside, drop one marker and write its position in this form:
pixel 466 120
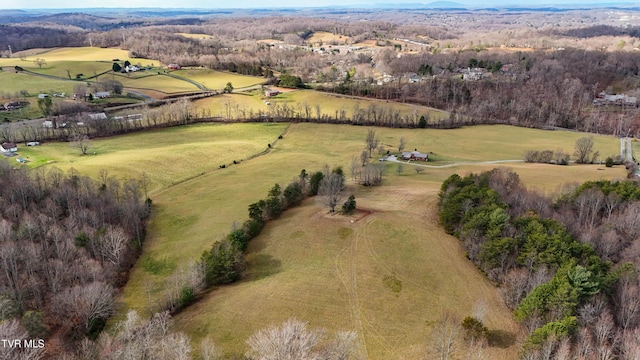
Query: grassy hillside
pixel 167 156
pixel 326 270
pixel 14 82
pixel 388 275
pixel 329 104
pixel 217 80
pixel 71 54
pixel 157 82
pixel 327 38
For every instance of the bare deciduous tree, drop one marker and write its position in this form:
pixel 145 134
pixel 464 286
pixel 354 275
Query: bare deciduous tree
pixel 290 341
pixel 444 337
pixel 330 190
pixel 84 304
pixel 81 142
pixel 627 301
pixel 402 144
pixel 40 62
pixel 371 141
pixel 208 350
pixel 364 157
pixel 584 152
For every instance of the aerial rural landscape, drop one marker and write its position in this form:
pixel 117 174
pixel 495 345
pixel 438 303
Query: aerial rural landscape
pixel 379 181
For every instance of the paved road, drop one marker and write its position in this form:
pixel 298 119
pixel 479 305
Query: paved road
pixel 625 149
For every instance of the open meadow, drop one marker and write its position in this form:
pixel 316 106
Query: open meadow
pixel 329 104
pixel 327 38
pixel 156 82
pixel 217 80
pixel 71 54
pixel 388 273
pixel 15 82
pixel 167 156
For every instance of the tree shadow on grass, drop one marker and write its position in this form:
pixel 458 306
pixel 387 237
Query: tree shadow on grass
pixel 262 266
pixel 502 339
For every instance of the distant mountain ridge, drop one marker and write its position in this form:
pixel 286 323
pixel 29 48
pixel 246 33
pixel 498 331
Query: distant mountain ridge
pixel 431 5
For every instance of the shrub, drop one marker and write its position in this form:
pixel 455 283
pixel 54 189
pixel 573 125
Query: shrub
pixel 474 329
pixel 349 206
pixel 187 296
pixel 34 323
pixel 608 162
pixel 531 156
pixel 314 183
pixel 293 194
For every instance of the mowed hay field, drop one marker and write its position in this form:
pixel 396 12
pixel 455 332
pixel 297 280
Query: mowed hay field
pixel 327 38
pixel 14 82
pixel 70 54
pixel 166 156
pixel 217 80
pixel 155 82
pixel 329 104
pixel 388 276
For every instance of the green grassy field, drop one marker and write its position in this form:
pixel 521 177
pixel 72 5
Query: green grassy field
pixel 217 80
pixel 157 82
pixel 329 104
pixel 326 270
pixel 167 156
pixel 86 53
pixel 12 82
pixel 388 275
pixel 326 38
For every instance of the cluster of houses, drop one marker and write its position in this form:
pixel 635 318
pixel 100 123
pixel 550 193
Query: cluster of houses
pixel 617 99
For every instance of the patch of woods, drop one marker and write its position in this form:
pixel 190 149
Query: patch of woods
pixel 567 267
pixel 33 37
pixel 67 243
pixel 533 89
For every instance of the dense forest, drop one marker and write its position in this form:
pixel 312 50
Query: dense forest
pixel 66 245
pixel 567 267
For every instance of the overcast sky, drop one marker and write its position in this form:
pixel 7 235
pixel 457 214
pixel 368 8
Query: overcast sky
pixel 209 4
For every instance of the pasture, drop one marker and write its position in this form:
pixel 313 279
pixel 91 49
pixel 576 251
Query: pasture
pixel 217 80
pixel 329 104
pixel 15 82
pixel 156 82
pixel 327 38
pixel 326 270
pixel 167 156
pixel 196 36
pixel 71 54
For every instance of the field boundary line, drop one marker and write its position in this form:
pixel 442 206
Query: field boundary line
pixel 251 157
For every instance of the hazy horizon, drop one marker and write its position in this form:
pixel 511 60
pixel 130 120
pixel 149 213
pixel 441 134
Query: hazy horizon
pixel 206 4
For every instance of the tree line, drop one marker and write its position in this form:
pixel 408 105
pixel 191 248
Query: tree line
pixel 566 267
